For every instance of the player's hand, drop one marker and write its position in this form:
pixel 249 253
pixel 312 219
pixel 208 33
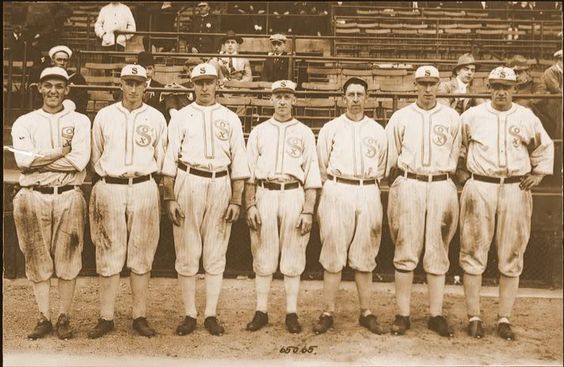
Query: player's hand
pixel 232 213
pixel 304 223
pixel 66 149
pixel 461 176
pixel 174 212
pixel 253 218
pixel 529 181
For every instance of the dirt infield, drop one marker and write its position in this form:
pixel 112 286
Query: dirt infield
pixel 537 322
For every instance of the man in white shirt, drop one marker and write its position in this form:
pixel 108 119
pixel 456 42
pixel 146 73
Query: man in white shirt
pixel 231 67
pixel 114 17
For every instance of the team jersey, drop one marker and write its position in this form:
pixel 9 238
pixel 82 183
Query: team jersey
pixel 209 138
pixel 283 152
pixel 504 144
pixel 42 133
pixel 425 142
pixel 128 144
pixel 352 149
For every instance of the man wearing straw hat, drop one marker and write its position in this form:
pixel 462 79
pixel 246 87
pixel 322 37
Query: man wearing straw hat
pixel 463 74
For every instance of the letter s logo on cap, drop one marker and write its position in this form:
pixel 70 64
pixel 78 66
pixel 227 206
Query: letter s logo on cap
pixel 283 84
pixel 202 70
pixel 502 74
pixel 134 71
pixel 427 72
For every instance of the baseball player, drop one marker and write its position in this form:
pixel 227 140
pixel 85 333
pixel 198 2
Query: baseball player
pixel 507 152
pixel 352 159
pixel 423 150
pixel 52 147
pixel 128 145
pixel 279 197
pixel 204 172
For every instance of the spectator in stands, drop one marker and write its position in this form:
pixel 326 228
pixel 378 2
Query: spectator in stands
pixel 525 83
pixel 229 67
pixel 276 68
pixel 204 22
pixel 114 17
pixel 463 74
pixel 175 101
pixel 552 79
pixel 248 24
pixel 37 30
pixel 552 76
pixel 157 17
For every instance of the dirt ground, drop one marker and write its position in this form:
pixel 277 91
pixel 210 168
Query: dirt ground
pixel 537 322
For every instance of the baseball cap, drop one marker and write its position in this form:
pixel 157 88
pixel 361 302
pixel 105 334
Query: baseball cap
pixel 54 72
pixel 558 54
pixel 136 72
pixel 518 62
pixel 278 37
pixel 60 48
pixel 427 73
pixel 203 71
pixel 280 86
pixel 355 81
pixel 502 75
pixel 202 3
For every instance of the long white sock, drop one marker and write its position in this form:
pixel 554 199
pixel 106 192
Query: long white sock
pixel 109 287
pixel 292 286
pixel 188 290
pixel 262 284
pixel 66 293
pixel 139 290
pixel 213 289
pixel 41 292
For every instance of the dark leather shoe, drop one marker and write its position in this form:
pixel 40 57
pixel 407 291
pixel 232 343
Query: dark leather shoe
pixel 102 328
pixel 212 325
pixel 259 321
pixel 187 326
pixel 63 327
pixel 324 323
pixel 292 323
pixel 42 328
pixel 476 329
pixel 141 325
pixel 371 323
pixel 439 325
pixel 400 325
pixel 504 331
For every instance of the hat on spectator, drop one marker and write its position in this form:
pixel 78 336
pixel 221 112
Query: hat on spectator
pixel 203 71
pixel 54 72
pixel 427 73
pixel 278 37
pixel 202 3
pixel 281 86
pixel 518 62
pixel 502 75
pixel 230 35
pixel 136 72
pixel 60 48
pixel 355 80
pixel 558 54
pixel 193 61
pixel 466 59
pixel 145 59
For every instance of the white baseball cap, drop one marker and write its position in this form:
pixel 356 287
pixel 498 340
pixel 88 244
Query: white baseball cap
pixel 558 53
pixel 60 48
pixel 427 73
pixel 55 72
pixel 132 71
pixel 280 86
pixel 203 71
pixel 502 75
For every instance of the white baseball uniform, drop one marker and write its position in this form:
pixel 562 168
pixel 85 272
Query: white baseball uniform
pixel 423 214
pixel 209 139
pixel 282 153
pixel 50 227
pixel 350 215
pixel 502 145
pixel 125 218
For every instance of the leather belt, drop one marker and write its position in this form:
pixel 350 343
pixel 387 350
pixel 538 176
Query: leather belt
pixel 351 181
pixel 426 178
pixel 197 172
pixel 52 190
pixel 497 180
pixel 126 181
pixel 277 186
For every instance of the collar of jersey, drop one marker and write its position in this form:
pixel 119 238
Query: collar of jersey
pixel 432 110
pixel 283 124
pixel 490 108
pixel 59 114
pixel 203 108
pixel 135 111
pixel 348 120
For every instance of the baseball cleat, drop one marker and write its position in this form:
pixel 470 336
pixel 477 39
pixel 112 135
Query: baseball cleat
pixel 504 331
pixel 102 328
pixel 212 325
pixel 187 326
pixel 259 321
pixel 64 331
pixel 439 325
pixel 324 323
pixel 400 325
pixel 141 325
pixel 42 328
pixel 292 323
pixel 371 323
pixel 476 329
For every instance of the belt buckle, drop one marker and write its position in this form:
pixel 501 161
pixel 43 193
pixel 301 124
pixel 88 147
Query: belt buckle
pixel 130 181
pixel 55 190
pixel 429 178
pixel 501 180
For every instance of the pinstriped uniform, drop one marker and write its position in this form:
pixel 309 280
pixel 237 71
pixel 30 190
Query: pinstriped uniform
pixel 208 138
pixel 500 144
pixel 124 219
pixel 50 227
pixel 281 153
pixel 423 215
pixel 350 216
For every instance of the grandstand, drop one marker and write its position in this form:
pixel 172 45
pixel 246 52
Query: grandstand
pixel 382 43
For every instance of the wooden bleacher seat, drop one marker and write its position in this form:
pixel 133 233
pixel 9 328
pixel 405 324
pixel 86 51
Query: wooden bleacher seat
pixel 102 80
pixel 504 26
pixel 347 30
pixel 343 24
pixel 378 31
pixel 470 26
pixel 404 31
pixel 458 31
pixel 319 86
pixel 455 14
pixel 368 25
pixel 433 13
pixel 430 31
pixel 447 26
pixel 476 14
pixel 368 11
pixel 408 13
pixel 391 86
pixel 415 26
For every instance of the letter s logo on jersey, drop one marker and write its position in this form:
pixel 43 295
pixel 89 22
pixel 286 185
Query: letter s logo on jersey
pixel 294 146
pixel 144 135
pixel 67 133
pixel 515 132
pixel 440 136
pixel 371 147
pixel 223 130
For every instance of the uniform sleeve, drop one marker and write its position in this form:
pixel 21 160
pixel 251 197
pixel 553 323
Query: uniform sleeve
pixel 252 154
pixel 324 144
pixel 175 136
pixel 239 161
pixel 456 139
pixel 443 89
pixel 395 137
pixel 160 142
pixel 312 178
pixel 97 143
pixel 99 26
pixel 79 156
pixel 22 141
pixel 541 150
pixel 382 154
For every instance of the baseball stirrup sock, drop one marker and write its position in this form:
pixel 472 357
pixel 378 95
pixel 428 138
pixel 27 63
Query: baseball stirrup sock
pixel 262 288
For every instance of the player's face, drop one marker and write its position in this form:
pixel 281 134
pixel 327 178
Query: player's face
pixel 523 76
pixel 278 47
pixel 502 95
pixel 426 92
pixel 133 90
pixel 150 71
pixel 205 91
pixel 466 73
pixel 355 96
pixel 53 91
pixel 61 59
pixel 231 46
pixel 283 103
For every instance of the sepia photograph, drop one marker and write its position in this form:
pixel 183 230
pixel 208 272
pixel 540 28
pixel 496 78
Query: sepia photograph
pixel 282 183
